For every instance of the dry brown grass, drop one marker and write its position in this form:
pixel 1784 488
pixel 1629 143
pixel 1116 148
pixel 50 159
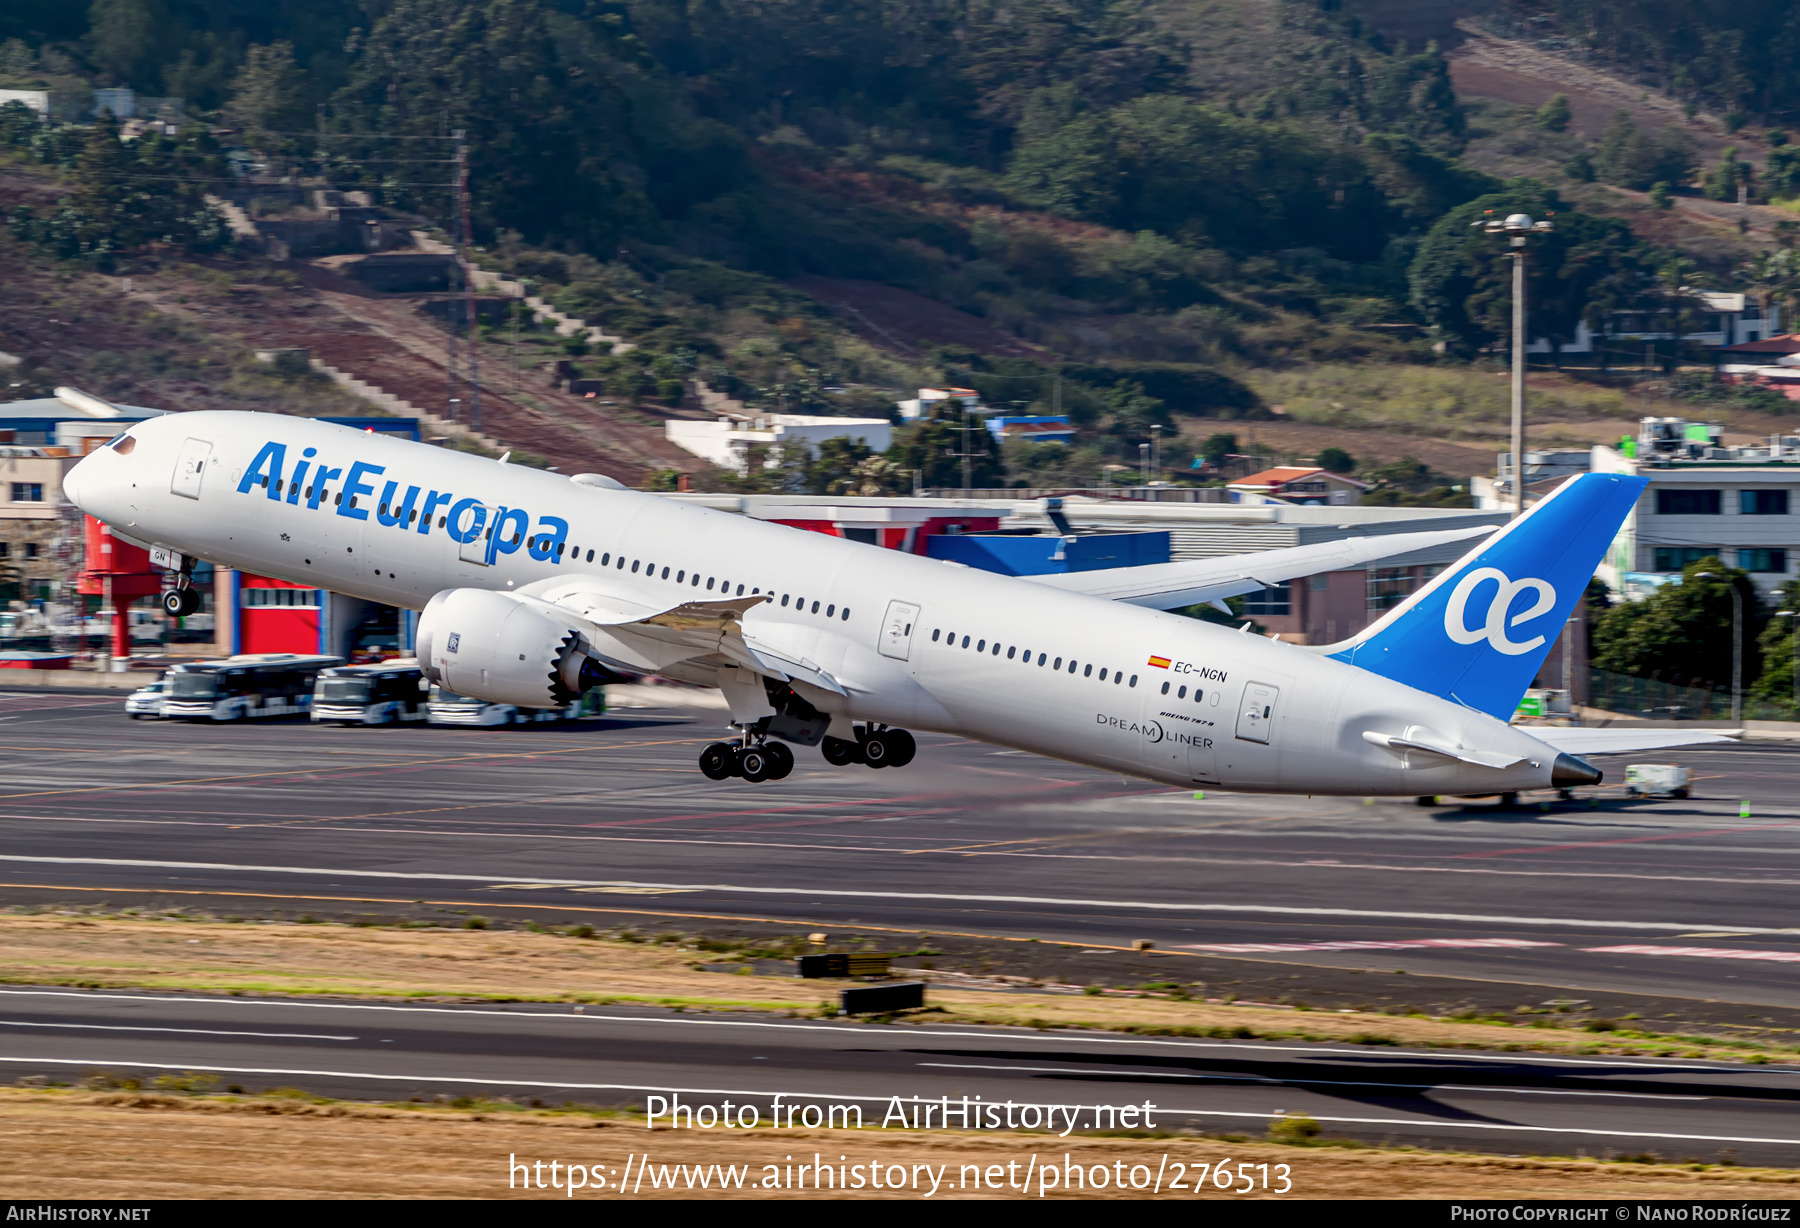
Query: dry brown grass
pixel 79 1145
pixel 292 958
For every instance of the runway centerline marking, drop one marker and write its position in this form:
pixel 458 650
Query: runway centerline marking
pixel 1100 1074
pixel 1588 844
pixel 839 893
pixel 120 1027
pixel 445 761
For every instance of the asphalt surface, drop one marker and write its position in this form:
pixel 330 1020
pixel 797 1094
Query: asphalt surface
pixel 1686 905
pixel 1690 899
pixel 1519 1103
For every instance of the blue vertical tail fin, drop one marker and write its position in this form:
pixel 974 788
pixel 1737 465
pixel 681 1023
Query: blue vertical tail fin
pixel 1479 631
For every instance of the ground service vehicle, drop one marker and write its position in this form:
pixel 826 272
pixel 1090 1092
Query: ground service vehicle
pixel 382 694
pixel 147 700
pixel 249 686
pixel 449 708
pixel 1653 779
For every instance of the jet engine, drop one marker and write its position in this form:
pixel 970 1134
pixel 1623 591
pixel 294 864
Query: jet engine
pixel 505 649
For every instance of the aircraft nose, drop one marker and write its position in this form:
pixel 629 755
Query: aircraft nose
pixel 78 479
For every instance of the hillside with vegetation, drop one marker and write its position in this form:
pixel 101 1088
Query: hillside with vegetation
pixel 1152 217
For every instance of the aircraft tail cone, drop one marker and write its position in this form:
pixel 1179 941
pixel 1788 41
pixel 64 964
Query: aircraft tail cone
pixel 1569 771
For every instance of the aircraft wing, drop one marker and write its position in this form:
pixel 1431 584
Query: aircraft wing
pixel 1619 741
pixel 1169 586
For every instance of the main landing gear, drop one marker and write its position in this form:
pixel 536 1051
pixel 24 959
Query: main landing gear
pixel 754 761
pixel 877 747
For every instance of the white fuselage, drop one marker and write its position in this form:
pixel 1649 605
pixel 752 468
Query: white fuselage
pixel 981 659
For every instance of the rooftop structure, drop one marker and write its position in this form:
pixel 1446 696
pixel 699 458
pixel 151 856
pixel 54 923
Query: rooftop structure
pixel 1039 428
pixel 1705 499
pixel 1306 484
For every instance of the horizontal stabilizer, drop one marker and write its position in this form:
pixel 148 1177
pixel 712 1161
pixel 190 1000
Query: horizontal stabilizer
pixel 1416 745
pixel 1170 586
pixel 1619 741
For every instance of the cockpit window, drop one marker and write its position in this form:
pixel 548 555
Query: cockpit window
pixel 122 444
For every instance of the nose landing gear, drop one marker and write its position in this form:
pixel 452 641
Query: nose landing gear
pixel 182 600
pixel 877 747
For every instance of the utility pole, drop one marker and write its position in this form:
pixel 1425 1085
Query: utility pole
pixel 1515 227
pixel 450 398
pixel 468 271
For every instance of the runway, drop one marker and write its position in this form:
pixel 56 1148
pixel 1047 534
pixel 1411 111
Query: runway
pixel 1687 899
pixel 1055 1082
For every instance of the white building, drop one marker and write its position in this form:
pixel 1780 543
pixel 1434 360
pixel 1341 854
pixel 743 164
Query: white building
pixel 37 100
pixel 726 442
pixel 1741 504
pixel 930 399
pixel 1724 319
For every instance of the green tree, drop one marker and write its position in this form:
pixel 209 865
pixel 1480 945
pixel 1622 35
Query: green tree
pixel 1682 632
pixel 1781 173
pixel 931 447
pixel 270 94
pixel 1776 645
pixel 1555 114
pixel 1336 460
pixel 1215 448
pixel 1631 158
pixel 1731 173
pixel 1461 276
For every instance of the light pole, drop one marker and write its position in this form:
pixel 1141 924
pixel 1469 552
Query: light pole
pixel 1515 227
pixel 1737 643
pixel 1794 640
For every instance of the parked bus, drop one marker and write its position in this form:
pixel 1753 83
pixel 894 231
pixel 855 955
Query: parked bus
pixel 381 694
pixel 252 685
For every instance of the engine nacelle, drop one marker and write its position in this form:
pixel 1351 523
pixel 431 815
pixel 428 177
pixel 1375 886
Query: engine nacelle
pixel 504 649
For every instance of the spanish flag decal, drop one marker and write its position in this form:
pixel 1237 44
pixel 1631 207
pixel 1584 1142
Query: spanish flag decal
pixel 1160 662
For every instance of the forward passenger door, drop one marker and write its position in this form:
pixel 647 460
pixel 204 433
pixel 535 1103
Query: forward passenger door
pixel 897 630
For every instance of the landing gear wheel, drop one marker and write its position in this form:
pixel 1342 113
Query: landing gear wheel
pixel 877 751
pixel 841 751
pixel 900 747
pixel 757 763
pixel 180 602
pixel 781 759
pixel 718 761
